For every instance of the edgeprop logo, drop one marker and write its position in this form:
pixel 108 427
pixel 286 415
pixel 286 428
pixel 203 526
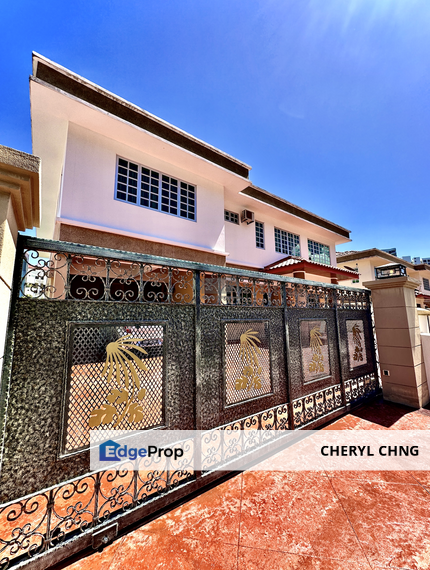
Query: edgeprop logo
pixel 112 451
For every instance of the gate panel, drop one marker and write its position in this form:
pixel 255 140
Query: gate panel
pixel 96 389
pixel 229 383
pixel 40 397
pixel 356 345
pixel 102 338
pixel 313 360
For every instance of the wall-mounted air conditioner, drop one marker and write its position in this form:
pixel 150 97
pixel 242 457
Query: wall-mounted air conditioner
pixel 247 217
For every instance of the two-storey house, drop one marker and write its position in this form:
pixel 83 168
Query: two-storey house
pixel 114 175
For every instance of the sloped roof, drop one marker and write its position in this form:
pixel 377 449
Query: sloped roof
pixel 277 202
pixel 292 263
pixel 374 252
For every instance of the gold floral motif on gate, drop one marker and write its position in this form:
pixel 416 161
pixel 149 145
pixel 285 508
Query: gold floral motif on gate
pixel 121 365
pixel 358 347
pixel 317 362
pixel 249 352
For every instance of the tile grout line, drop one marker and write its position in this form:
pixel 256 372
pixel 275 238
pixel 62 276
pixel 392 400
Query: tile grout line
pixel 353 529
pixel 116 552
pixel 419 482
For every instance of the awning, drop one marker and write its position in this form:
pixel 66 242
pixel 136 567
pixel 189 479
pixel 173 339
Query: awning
pixel 292 264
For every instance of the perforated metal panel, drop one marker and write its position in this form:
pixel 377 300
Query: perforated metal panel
pixel 315 354
pixel 356 343
pixel 121 391
pixel 247 361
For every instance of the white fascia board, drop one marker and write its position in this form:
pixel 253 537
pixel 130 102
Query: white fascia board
pixel 106 124
pixel 38 57
pixel 317 228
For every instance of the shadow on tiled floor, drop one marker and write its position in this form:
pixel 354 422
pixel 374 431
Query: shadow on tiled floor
pixel 283 521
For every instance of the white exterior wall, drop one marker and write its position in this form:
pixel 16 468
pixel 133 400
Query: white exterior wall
pixel 88 198
pixel 79 145
pixel 241 243
pixel 88 194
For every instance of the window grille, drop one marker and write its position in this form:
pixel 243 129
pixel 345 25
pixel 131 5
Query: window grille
pixel 426 284
pixel 157 191
pixel 126 183
pixel 319 252
pixel 188 205
pixel 149 189
pixel 231 217
pixel 259 235
pixel 287 243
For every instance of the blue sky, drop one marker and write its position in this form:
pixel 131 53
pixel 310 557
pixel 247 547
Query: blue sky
pixel 327 100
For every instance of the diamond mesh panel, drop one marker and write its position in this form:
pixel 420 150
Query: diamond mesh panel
pixel 247 361
pixel 128 403
pixel 314 344
pixel 356 343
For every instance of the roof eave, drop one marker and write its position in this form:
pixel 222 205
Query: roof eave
pixel 290 208
pixel 65 80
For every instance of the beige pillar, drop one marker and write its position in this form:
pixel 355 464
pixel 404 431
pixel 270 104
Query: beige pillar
pixel 399 342
pixel 19 210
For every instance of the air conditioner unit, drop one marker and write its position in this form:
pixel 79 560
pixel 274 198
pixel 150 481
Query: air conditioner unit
pixel 247 217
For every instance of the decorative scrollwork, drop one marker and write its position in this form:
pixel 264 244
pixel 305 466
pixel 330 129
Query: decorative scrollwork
pixel 314 406
pixel 357 388
pixel 79 277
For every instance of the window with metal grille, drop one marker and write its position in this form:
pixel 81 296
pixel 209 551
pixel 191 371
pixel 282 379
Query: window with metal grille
pixel 157 191
pixel 319 252
pixel 188 204
pixel 126 181
pixel 287 243
pixel 231 217
pixel 169 195
pixel 149 189
pixel 426 284
pixel 259 235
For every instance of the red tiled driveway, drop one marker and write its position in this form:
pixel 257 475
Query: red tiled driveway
pixel 283 521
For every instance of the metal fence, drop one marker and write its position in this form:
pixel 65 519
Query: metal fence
pixel 105 339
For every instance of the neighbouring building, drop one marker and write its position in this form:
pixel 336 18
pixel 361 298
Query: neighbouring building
pixel 19 211
pixel 367 260
pixel 116 176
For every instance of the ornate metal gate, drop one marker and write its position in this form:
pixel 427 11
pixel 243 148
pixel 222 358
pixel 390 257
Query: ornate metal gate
pixel 102 338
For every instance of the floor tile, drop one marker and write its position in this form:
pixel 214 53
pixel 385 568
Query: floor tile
pixel 142 550
pixel 255 559
pixel 392 521
pixel 423 477
pixel 381 476
pixel 396 546
pixel 214 515
pixel 296 514
pixel 292 520
pixel 381 503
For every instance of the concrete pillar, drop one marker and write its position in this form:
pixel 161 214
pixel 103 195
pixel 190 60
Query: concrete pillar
pixel 399 342
pixel 19 210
